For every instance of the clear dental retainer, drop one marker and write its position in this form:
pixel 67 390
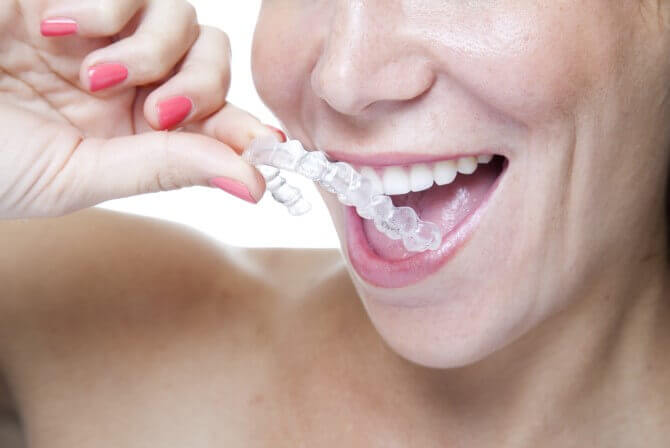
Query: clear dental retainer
pixel 270 156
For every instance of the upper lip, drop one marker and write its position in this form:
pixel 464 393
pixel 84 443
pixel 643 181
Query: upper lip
pixel 397 158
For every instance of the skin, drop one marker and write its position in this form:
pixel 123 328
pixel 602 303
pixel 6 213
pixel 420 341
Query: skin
pixel 60 140
pixel 564 344
pixel 493 76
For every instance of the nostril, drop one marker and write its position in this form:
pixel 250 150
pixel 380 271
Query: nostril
pixel 350 89
pixel 338 87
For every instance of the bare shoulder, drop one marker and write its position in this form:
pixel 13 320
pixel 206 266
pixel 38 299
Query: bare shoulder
pixel 128 307
pixel 83 279
pixel 101 254
pixel 104 254
pixel 103 239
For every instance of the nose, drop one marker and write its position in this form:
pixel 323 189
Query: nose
pixel 367 57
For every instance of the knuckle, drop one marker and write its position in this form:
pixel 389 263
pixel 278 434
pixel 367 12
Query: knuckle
pixel 170 176
pixel 216 33
pixel 210 83
pixel 193 33
pixel 222 88
pixel 211 78
pixel 189 19
pixel 111 18
pixel 163 52
pixel 189 12
pixel 218 41
pixel 219 83
pixel 62 185
pixel 214 98
pixel 217 38
pixel 159 58
pixel 225 42
pixel 184 18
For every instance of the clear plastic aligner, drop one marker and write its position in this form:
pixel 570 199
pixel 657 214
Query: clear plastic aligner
pixel 269 155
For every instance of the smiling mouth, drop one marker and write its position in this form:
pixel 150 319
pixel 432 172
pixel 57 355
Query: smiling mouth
pixel 449 193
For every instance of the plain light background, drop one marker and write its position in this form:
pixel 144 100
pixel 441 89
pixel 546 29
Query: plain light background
pixel 222 217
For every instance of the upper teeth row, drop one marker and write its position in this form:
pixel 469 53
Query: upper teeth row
pixel 394 180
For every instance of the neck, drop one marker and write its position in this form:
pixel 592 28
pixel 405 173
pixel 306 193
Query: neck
pixel 589 367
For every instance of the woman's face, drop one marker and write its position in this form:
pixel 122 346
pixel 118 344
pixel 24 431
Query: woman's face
pixel 570 94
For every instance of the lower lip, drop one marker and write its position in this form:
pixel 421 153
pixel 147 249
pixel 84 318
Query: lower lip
pixel 385 273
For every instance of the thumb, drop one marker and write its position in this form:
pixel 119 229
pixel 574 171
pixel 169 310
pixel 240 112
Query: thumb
pixel 100 169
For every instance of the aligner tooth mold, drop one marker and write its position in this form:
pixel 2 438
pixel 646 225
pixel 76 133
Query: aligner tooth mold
pixel 270 156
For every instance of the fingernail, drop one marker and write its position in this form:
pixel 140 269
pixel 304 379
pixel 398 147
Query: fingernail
pixel 173 111
pixel 58 26
pixel 279 132
pixel 102 76
pixel 234 187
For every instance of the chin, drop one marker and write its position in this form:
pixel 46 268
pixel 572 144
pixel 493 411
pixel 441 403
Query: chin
pixel 435 308
pixel 457 305
pixel 467 327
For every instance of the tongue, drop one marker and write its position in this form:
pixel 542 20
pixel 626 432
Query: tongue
pixel 445 206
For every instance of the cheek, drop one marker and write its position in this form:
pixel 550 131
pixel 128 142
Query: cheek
pixel 526 60
pixel 531 62
pixel 282 59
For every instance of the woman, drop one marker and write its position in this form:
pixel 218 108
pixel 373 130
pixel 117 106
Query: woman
pixel 541 321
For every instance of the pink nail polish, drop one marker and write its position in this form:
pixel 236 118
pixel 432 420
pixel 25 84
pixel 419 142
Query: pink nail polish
pixel 173 111
pixel 58 26
pixel 102 76
pixel 233 187
pixel 279 132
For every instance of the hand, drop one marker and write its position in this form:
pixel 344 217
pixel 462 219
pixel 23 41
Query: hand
pixel 87 90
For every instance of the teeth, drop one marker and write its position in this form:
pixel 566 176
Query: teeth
pixel 467 165
pixel 371 174
pixel 395 180
pixel 445 172
pixel 420 177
